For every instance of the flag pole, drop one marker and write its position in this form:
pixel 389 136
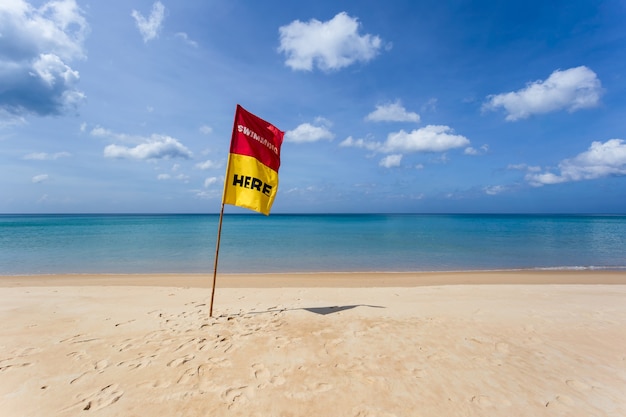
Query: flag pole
pixel 219 227
pixel 217 251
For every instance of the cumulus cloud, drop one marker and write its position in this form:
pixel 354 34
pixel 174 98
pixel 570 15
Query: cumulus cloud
pixel 208 164
pixel 40 178
pixel 157 147
pixel 329 45
pixel 43 156
pixel 180 177
pixel 146 148
pixel 392 112
pixel 600 160
pixel 149 27
pixel 391 161
pixel 38 44
pixel 351 142
pixel 494 189
pixel 210 181
pixel 572 89
pixel 475 152
pixel 432 138
pixel 101 132
pixel 307 132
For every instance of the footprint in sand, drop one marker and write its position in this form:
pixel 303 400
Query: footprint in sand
pixel 321 387
pixel 153 384
pixel 100 365
pixel 27 351
pixel 206 379
pixel 237 395
pixel 185 345
pixel 79 338
pixel 309 391
pixel 560 401
pixel 578 385
pixel 105 397
pixel 261 373
pixel 78 355
pixel 136 363
pixel 485 401
pixel 189 375
pixel 368 412
pixel 482 401
pixel 180 361
pixel 125 345
pixel 502 347
pixel 5 366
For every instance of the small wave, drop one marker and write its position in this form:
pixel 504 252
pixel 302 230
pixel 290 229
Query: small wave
pixel 581 268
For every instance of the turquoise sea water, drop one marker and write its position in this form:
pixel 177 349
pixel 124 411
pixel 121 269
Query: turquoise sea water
pixel 48 244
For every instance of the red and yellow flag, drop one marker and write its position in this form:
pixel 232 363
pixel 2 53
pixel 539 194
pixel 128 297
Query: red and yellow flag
pixel 252 172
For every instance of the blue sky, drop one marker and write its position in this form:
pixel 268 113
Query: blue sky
pixel 397 106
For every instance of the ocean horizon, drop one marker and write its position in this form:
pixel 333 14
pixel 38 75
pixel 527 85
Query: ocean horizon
pixel 33 244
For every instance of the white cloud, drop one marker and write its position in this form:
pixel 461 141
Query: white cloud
pixel 210 181
pixel 350 142
pixel 8 119
pixel 157 147
pixel 430 105
pixel 150 27
pixel 37 45
pixel 206 130
pixel 43 156
pixel 180 177
pixel 523 167
pixel 432 138
pixel 208 164
pixel 474 152
pixel 392 112
pixel 185 38
pixel 40 178
pixel 391 161
pixel 495 189
pixel 101 132
pixel 571 89
pixel 330 45
pixel 600 160
pixel 307 132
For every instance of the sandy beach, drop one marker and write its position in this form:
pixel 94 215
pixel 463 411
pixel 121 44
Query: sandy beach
pixel 518 343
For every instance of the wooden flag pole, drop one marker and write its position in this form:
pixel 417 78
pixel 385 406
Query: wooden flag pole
pixel 217 252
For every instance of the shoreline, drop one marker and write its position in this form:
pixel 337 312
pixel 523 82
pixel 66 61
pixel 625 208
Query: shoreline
pixel 324 279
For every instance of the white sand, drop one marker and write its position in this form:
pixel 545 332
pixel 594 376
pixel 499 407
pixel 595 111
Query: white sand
pixel 384 350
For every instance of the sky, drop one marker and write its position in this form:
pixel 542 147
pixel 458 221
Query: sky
pixel 402 106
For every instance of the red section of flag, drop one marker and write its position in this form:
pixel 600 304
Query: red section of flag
pixel 253 136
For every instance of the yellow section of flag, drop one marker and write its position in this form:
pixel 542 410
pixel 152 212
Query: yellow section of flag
pixel 250 184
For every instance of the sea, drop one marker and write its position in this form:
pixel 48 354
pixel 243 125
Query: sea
pixel 280 243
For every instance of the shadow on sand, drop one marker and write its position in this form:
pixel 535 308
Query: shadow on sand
pixel 316 310
pixel 335 309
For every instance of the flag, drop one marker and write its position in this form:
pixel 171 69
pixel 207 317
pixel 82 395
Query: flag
pixel 253 162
